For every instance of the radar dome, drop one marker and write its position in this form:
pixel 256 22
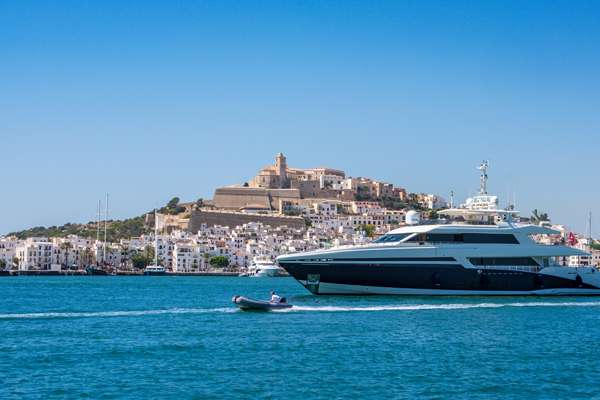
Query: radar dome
pixel 413 217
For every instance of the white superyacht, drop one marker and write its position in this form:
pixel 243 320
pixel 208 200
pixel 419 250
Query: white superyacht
pixel 473 257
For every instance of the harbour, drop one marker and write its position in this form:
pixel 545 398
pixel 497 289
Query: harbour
pixel 300 200
pixel 73 337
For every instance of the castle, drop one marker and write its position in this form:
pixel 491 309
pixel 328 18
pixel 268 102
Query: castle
pixel 280 176
pixel 277 184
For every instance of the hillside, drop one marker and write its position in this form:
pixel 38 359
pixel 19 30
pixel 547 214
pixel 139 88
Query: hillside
pixel 116 230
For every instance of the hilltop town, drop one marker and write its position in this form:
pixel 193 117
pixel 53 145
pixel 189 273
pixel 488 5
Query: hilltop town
pixel 280 210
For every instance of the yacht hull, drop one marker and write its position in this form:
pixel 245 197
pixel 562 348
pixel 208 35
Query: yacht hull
pixel 440 279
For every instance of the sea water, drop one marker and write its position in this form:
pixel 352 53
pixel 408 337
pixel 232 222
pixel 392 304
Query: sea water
pixel 103 337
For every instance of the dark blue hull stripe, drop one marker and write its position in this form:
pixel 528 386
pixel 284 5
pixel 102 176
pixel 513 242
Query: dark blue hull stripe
pixel 428 276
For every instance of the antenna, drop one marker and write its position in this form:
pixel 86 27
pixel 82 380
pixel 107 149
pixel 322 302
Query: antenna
pixel 515 199
pixel 483 178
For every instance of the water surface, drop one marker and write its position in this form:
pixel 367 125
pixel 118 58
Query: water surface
pixel 180 337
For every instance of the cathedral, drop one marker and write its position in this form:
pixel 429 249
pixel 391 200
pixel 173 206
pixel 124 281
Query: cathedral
pixel 277 184
pixel 280 176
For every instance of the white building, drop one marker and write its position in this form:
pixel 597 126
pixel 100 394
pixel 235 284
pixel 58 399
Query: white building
pixel 326 208
pixel 8 250
pixel 432 201
pixel 37 254
pixel 187 258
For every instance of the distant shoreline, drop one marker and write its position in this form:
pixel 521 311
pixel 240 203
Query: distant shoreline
pixel 124 273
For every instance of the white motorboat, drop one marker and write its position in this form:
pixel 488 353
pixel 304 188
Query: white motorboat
pixel 264 266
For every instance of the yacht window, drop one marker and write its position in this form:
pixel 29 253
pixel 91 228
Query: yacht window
pixel 501 238
pixel 392 237
pixel 464 238
pixel 545 261
pixel 503 261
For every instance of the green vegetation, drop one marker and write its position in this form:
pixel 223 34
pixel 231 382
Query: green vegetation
pixel 115 231
pixel 368 229
pixel 219 262
pixel 595 245
pixel 2 264
pixel 172 207
pixel 292 212
pixel 392 203
pixel 141 260
pixel 363 194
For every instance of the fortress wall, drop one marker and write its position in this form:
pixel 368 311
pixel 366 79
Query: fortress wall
pixel 232 219
pixel 235 198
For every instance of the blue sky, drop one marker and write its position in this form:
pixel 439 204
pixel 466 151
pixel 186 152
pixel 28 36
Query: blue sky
pixel 148 100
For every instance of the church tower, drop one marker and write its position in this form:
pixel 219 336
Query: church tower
pixel 281 168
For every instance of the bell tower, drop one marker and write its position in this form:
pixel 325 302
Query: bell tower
pixel 281 167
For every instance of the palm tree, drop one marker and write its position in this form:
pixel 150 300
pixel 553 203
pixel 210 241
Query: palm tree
pixel 124 255
pixel 87 257
pixel 65 247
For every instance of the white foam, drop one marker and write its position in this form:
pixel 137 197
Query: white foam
pixel 399 307
pixel 105 314
pixel 450 306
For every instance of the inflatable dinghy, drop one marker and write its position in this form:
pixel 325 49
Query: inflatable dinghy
pixel 247 304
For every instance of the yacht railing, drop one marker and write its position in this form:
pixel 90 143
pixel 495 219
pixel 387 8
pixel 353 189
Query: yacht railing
pixel 516 268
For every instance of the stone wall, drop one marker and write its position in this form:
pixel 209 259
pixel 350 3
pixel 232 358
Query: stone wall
pixel 232 219
pixel 235 198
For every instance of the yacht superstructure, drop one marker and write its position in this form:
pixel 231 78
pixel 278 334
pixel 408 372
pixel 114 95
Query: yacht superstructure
pixel 474 257
pixel 446 260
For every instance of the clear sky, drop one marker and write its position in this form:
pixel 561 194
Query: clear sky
pixel 148 100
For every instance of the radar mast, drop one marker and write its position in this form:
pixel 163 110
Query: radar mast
pixel 483 178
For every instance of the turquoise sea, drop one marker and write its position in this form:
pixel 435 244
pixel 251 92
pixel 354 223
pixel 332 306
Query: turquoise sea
pixel 181 338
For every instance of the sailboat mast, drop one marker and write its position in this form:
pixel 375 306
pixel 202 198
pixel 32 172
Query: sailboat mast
pixel 98 229
pixel 590 229
pixel 155 237
pixel 105 229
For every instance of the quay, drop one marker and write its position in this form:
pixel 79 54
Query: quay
pixel 119 273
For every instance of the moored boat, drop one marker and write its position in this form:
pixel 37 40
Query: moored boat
pixel 92 270
pixel 155 270
pixel 264 266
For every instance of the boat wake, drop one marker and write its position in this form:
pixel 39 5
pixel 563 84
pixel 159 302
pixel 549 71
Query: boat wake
pixel 175 311
pixel 451 306
pixel 107 314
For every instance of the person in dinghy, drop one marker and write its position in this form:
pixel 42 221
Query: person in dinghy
pixel 275 298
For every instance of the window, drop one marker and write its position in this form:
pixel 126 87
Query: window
pixel 496 238
pixel 509 261
pixel 390 238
